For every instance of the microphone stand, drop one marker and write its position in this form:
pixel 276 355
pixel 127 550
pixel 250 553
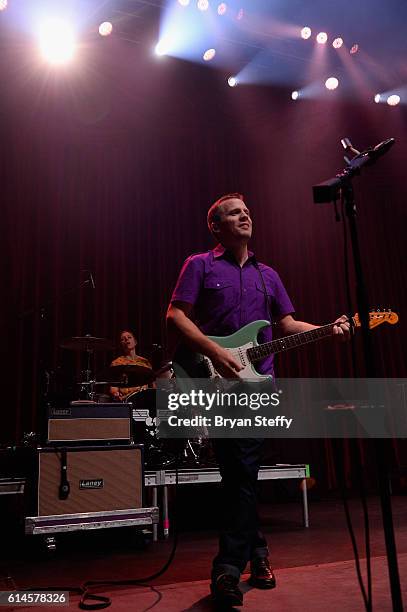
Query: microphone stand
pixel 330 191
pixel 42 310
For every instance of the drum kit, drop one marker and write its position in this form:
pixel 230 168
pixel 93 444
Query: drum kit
pixel 128 375
pixel 158 453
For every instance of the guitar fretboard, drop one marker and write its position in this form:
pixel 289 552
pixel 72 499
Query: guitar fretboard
pixel 283 344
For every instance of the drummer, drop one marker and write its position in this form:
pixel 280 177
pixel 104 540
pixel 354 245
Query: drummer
pixel 128 344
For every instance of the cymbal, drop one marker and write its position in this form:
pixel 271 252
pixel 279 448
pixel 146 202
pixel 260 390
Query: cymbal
pixel 87 343
pixel 128 375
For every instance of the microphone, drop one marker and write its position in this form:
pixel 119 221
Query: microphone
pixel 369 155
pixel 381 148
pixel 328 191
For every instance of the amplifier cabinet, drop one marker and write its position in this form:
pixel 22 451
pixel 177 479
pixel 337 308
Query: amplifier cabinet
pixel 78 479
pixel 85 423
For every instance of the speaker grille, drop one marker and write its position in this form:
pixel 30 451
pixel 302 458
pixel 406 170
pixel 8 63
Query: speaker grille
pixel 119 469
pixel 77 429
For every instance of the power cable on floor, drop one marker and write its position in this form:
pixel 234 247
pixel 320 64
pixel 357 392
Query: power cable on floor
pixel 102 601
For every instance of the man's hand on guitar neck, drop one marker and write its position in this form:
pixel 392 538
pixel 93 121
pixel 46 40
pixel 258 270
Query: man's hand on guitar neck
pixel 341 331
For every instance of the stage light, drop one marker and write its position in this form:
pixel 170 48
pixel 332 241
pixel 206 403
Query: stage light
pixel 208 55
pixel 337 43
pixel 240 14
pixel 295 95
pixel 354 49
pixel 57 41
pixel 183 2
pixel 160 48
pixel 203 5
pixel 3 5
pixel 393 100
pixel 331 83
pixel 322 37
pixel 222 8
pixel 232 81
pixel 105 28
pixel 377 98
pixel 306 33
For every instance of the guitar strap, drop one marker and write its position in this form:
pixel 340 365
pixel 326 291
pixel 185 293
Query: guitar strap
pixel 267 297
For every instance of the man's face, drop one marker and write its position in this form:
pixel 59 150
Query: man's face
pixel 127 341
pixel 235 223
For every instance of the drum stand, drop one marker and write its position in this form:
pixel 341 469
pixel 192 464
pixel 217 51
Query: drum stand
pixel 87 387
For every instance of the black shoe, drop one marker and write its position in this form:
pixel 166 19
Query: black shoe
pixel 225 591
pixel 261 574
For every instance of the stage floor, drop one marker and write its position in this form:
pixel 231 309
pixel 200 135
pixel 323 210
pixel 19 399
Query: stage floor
pixel 314 567
pixel 303 589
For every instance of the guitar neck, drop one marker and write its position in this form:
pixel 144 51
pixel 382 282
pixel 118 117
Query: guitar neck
pixel 283 344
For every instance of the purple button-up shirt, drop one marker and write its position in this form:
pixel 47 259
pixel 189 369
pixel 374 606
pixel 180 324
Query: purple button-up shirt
pixel 226 296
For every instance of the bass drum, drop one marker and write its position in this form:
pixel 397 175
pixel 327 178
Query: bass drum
pixel 157 454
pixel 143 400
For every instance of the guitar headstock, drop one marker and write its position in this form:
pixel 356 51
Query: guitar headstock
pixel 377 317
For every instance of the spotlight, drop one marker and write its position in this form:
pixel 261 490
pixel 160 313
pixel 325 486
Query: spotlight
pixel 105 28
pixel 306 33
pixel 160 48
pixel 203 5
pixel 295 95
pixel 377 98
pixel 208 55
pixel 57 41
pixel 3 5
pixel 337 43
pixel 232 81
pixel 322 37
pixel 240 14
pixel 183 2
pixel 222 8
pixel 331 83
pixel 354 49
pixel 393 100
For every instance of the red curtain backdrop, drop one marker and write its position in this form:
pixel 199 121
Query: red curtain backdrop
pixel 112 168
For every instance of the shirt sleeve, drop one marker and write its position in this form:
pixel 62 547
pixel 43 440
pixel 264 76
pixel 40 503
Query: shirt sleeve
pixel 189 281
pixel 281 304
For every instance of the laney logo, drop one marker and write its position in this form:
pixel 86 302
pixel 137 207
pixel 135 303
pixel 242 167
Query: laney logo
pixel 96 483
pixel 60 412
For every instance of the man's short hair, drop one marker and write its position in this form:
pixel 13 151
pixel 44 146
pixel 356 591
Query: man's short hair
pixel 213 212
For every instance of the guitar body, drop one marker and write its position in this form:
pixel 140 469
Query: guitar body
pixel 194 365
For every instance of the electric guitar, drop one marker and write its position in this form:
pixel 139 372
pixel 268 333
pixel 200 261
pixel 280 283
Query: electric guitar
pixel 245 349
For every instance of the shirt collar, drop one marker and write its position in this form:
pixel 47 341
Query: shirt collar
pixel 220 250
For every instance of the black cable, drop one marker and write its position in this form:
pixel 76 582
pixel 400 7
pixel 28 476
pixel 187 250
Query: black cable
pixel 367 597
pixel 105 601
pixel 157 601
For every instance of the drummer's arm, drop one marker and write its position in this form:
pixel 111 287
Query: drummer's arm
pixel 115 392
